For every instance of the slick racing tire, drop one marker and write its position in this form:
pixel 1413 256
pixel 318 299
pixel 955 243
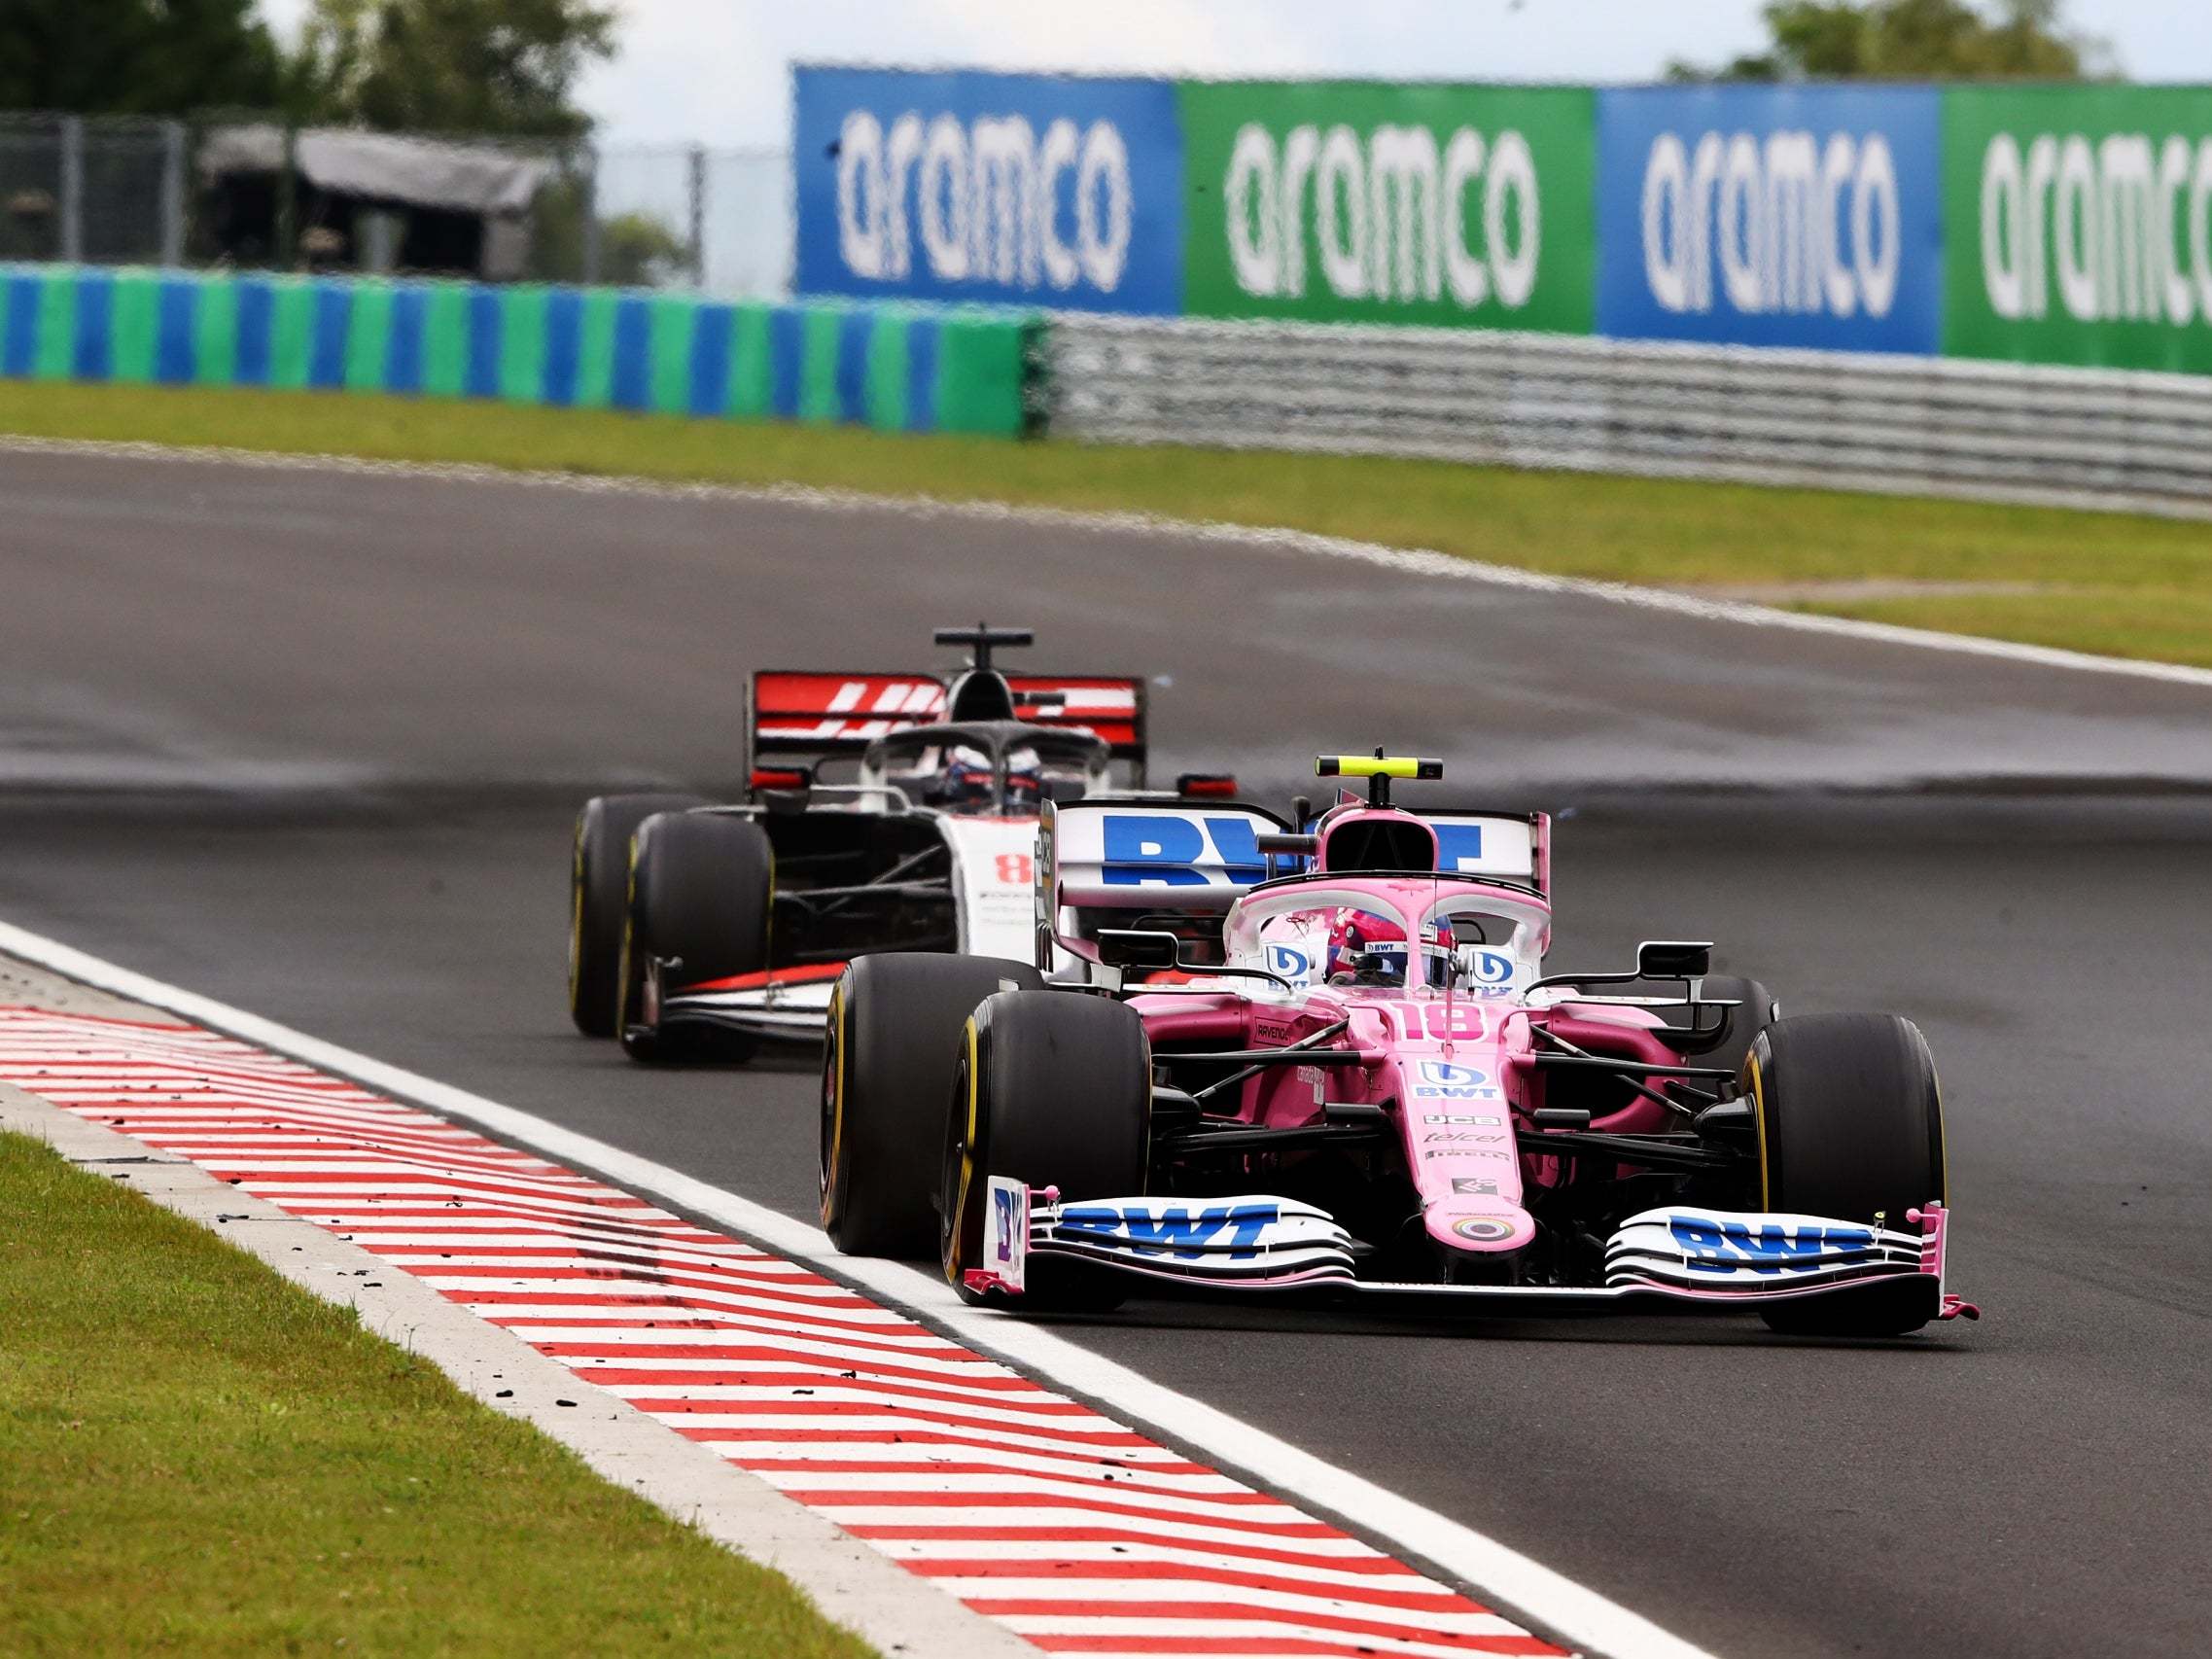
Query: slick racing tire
pixel 1051 1088
pixel 1756 1010
pixel 599 885
pixel 1850 1125
pixel 896 1024
pixel 699 892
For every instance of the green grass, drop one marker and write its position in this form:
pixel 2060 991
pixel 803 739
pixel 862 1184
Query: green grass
pixel 198 1457
pixel 2129 586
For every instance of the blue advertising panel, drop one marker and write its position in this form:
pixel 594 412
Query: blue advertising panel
pixel 1779 216
pixel 1025 190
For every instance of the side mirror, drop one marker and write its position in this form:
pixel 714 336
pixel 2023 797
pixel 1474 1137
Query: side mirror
pixel 1673 959
pixel 1138 947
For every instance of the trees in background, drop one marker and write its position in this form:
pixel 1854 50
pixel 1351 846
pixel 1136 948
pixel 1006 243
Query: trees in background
pixel 506 68
pixel 135 56
pixel 502 67
pixel 1913 40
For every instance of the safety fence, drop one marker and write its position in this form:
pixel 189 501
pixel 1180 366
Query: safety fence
pixel 898 369
pixel 1833 420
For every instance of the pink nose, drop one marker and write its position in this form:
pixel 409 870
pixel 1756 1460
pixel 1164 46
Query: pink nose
pixel 1481 1227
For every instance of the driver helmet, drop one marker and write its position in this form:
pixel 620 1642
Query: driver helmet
pixel 1370 949
pixel 1025 781
pixel 967 781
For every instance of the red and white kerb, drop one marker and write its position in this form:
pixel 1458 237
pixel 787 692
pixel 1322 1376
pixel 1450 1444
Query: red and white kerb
pixel 1078 1533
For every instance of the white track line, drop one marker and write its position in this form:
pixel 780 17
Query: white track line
pixel 1417 561
pixel 1497 1573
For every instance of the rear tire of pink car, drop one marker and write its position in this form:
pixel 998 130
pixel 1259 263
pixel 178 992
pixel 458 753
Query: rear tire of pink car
pixel 888 1060
pixel 1850 1126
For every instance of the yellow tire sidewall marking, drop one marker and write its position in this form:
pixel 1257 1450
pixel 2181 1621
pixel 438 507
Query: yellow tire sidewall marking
pixel 959 1221
pixel 1759 1119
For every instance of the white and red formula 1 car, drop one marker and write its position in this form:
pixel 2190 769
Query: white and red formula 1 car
pixel 1329 1058
pixel 884 811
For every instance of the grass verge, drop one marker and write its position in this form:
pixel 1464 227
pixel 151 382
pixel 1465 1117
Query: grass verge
pixel 2126 586
pixel 196 1456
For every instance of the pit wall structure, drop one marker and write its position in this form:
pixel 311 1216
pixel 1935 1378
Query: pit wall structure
pixel 2046 224
pixel 890 366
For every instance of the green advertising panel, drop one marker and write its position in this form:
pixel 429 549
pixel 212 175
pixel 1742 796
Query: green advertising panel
pixel 2078 225
pixel 1350 201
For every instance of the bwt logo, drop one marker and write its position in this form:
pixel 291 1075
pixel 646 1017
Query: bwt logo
pixel 1173 1231
pixel 1728 1247
pixel 1451 1076
pixel 1395 217
pixel 988 199
pixel 1156 847
pixel 1794 226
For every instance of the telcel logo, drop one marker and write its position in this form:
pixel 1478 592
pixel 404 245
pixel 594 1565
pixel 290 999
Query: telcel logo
pixel 988 197
pixel 1396 217
pixel 1795 225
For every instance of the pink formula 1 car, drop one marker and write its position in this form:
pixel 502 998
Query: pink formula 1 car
pixel 1329 1059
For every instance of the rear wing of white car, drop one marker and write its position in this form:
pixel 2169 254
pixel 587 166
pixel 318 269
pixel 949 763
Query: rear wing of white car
pixel 804 716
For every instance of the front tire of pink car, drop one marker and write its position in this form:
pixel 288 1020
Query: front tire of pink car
pixel 1850 1126
pixel 1052 1088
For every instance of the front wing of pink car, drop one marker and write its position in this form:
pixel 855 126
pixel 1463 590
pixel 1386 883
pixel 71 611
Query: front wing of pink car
pixel 1677 1252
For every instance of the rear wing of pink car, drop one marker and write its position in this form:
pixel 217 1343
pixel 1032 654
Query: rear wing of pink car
pixel 1180 866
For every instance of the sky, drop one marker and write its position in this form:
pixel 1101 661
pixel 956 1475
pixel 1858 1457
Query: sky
pixel 715 72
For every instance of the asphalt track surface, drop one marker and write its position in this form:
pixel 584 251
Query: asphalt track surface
pixel 310 744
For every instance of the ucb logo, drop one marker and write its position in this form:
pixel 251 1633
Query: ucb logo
pixel 1394 217
pixel 1792 225
pixel 1711 1246
pixel 1174 1230
pixel 993 202
pixel 1291 963
pixel 1172 851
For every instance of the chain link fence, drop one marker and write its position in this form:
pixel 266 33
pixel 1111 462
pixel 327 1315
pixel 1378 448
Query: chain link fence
pixel 103 193
pixel 249 194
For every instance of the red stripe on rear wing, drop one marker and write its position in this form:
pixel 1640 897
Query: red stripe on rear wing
pixel 1106 706
pixel 801 713
pixel 806 714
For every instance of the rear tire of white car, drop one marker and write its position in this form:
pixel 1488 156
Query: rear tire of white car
pixel 1051 1088
pixel 599 885
pixel 1850 1120
pixel 699 892
pixel 897 1023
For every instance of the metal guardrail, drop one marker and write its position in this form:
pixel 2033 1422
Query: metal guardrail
pixel 2009 432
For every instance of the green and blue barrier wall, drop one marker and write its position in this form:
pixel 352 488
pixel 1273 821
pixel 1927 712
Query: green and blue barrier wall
pixel 892 367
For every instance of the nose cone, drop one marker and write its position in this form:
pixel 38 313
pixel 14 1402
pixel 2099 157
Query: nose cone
pixel 1496 1227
